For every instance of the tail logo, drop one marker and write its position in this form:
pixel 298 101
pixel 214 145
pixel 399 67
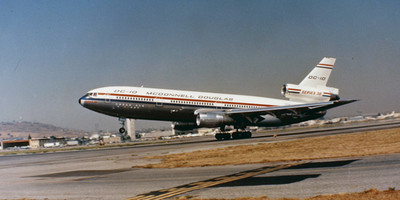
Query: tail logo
pixel 317 78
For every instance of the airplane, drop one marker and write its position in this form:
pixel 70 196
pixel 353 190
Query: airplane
pixel 189 110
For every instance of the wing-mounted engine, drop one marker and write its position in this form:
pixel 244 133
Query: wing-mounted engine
pixel 212 120
pixel 309 94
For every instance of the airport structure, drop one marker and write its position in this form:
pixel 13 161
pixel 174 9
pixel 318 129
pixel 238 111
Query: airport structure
pixel 14 143
pixel 36 143
pixel 111 139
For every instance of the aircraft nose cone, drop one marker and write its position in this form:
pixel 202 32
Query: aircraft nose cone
pixel 81 101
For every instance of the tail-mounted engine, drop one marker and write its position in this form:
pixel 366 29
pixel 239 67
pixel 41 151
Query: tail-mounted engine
pixel 309 94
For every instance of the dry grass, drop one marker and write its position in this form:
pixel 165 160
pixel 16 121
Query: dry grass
pixel 366 195
pixel 349 145
pixel 374 194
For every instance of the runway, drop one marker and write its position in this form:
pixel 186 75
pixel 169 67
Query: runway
pixel 107 174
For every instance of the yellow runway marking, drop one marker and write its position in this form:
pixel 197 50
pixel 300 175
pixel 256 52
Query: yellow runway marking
pixel 166 193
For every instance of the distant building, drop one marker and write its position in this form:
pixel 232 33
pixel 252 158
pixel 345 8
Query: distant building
pixel 72 143
pixel 36 143
pixel 52 144
pixel 14 143
pixel 109 140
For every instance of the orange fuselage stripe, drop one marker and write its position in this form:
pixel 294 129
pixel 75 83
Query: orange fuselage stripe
pixel 294 89
pixel 325 65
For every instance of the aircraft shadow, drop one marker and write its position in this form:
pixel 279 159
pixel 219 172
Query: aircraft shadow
pixel 81 173
pixel 287 179
pixel 274 180
pixel 339 163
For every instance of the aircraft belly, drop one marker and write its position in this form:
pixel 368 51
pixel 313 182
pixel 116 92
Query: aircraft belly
pixel 163 113
pixel 144 111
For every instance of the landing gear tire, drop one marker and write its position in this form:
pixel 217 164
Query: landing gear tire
pixel 247 134
pixel 227 136
pixel 122 130
pixel 223 136
pixel 218 136
pixel 241 135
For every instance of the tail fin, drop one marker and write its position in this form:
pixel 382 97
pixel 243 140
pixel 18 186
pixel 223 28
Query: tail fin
pixel 313 88
pixel 319 76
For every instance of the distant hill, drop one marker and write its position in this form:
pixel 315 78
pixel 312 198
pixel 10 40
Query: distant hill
pixel 12 130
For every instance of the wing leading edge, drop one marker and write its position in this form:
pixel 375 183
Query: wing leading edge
pixel 291 108
pixel 256 115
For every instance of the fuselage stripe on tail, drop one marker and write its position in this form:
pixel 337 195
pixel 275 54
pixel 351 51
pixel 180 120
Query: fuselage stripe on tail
pixel 324 67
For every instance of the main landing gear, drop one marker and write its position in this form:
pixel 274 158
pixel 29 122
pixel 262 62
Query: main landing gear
pixel 241 135
pixel 234 135
pixel 223 136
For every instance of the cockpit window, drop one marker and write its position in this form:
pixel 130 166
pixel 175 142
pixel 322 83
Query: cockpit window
pixel 91 94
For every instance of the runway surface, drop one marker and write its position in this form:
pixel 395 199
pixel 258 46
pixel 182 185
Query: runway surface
pixel 107 174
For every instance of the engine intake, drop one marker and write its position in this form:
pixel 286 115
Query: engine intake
pixel 212 120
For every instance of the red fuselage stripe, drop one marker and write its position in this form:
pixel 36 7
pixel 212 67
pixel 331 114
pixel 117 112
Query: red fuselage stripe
pixel 294 89
pixel 325 65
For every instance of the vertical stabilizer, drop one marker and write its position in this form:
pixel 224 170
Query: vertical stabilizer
pixel 313 88
pixel 319 76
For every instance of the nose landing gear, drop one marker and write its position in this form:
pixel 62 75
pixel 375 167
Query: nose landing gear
pixel 127 130
pixel 122 130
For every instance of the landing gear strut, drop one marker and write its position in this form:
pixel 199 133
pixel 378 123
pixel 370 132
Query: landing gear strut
pixel 127 130
pixel 122 130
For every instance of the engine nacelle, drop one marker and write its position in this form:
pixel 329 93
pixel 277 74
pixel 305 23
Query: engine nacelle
pixel 184 126
pixel 309 94
pixel 212 120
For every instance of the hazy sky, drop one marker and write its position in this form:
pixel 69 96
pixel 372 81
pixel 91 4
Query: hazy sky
pixel 53 52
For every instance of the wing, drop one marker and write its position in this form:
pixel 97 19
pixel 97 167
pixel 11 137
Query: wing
pixel 255 115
